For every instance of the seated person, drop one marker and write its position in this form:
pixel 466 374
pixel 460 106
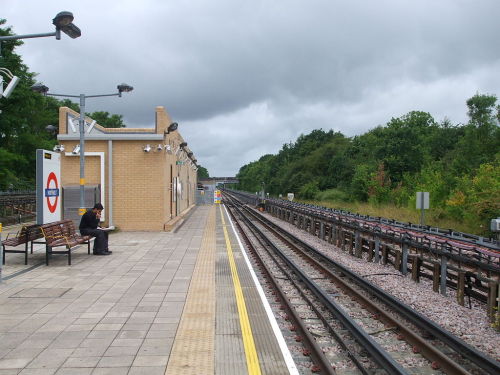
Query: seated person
pixel 89 227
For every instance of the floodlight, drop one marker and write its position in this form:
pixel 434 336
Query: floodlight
pixel 71 30
pixel 76 150
pixel 172 127
pixel 40 88
pixel 183 144
pixel 58 148
pixel 123 87
pixel 62 19
pixel 189 154
pixel 11 86
pixel 147 148
pixel 159 147
pixel 168 149
pixel 52 129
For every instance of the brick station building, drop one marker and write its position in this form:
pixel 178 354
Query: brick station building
pixel 146 191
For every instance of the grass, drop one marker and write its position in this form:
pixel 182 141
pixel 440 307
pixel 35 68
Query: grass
pixel 433 217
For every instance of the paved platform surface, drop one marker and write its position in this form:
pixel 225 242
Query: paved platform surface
pixel 163 302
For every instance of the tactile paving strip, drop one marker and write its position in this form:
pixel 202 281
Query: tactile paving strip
pixel 230 357
pixel 193 350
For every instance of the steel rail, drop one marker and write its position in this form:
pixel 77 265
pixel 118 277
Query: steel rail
pixel 318 210
pixel 379 354
pixel 479 359
pixel 310 343
pixel 427 349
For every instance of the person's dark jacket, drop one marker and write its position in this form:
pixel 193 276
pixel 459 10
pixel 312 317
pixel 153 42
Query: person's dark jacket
pixel 89 221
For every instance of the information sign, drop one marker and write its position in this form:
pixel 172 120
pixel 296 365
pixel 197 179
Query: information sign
pixel 217 196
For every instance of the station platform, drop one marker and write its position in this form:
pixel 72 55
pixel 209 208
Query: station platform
pixel 180 302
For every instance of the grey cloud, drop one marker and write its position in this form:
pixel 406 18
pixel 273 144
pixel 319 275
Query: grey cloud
pixel 276 68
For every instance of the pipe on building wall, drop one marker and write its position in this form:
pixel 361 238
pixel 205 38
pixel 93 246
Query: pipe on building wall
pixel 110 183
pixel 102 174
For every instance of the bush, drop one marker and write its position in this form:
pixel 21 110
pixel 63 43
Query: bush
pixel 333 195
pixel 309 190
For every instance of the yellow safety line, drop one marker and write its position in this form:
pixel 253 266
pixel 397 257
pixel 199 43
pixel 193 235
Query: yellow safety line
pixel 246 329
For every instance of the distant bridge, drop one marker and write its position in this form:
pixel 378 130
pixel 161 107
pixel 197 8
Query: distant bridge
pixel 218 180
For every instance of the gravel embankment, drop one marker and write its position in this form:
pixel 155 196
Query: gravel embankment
pixel 471 325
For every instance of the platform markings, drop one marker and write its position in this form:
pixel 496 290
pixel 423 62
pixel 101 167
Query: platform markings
pixel 287 356
pixel 246 330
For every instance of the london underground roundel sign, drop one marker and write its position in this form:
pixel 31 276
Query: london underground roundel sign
pixel 52 192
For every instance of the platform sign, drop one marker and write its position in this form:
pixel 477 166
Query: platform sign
pixel 217 196
pixel 422 204
pixel 48 186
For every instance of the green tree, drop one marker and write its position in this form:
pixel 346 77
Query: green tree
pixel 107 120
pixel 202 172
pixel 24 116
pixel 481 139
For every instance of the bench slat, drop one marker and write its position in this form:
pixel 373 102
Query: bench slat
pixel 62 233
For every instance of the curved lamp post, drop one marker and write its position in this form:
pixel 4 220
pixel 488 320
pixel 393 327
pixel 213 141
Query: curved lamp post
pixel 42 89
pixel 63 21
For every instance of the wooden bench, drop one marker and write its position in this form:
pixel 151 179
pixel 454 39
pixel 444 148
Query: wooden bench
pixel 27 234
pixel 59 234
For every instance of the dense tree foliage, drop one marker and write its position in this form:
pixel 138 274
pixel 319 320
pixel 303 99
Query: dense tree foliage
pixel 458 164
pixel 24 117
pixel 202 172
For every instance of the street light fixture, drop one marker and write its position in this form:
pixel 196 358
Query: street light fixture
pixel 42 89
pixel 63 21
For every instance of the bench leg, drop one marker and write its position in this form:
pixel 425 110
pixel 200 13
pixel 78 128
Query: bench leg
pixel 88 247
pixel 69 256
pixel 26 254
pixel 3 254
pixel 48 250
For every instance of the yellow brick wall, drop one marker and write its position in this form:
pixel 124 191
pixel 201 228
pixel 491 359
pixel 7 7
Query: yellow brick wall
pixel 141 181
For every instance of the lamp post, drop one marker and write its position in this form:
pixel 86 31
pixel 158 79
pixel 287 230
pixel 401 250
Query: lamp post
pixel 42 89
pixel 63 21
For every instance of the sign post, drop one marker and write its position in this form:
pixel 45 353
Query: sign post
pixel 422 204
pixel 48 186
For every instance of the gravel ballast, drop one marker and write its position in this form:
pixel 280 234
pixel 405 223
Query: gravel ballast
pixel 471 325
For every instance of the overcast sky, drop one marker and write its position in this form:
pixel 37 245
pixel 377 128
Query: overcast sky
pixel 244 77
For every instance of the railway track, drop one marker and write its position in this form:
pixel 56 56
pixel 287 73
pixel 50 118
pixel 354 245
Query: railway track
pixel 345 321
pixel 468 264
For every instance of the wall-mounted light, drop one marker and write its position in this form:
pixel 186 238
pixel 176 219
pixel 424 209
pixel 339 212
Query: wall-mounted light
pixel 76 150
pixel 183 144
pixel 147 148
pixel 58 148
pixel 159 147
pixel 168 149
pixel 172 127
